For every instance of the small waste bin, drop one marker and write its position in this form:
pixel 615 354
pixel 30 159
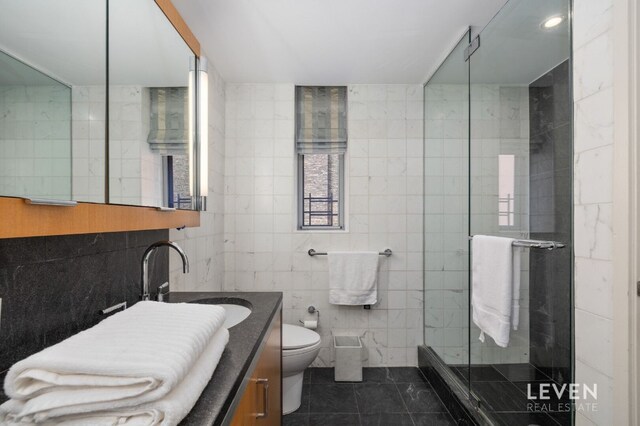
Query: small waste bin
pixel 348 351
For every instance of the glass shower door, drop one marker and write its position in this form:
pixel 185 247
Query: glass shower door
pixel 446 114
pixel 520 187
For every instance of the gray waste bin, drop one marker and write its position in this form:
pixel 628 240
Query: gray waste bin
pixel 348 351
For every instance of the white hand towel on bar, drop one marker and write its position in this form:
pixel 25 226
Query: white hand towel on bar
pixel 130 358
pixel 495 281
pixel 169 410
pixel 353 278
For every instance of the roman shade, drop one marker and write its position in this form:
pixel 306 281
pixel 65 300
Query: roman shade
pixel 169 126
pixel 321 120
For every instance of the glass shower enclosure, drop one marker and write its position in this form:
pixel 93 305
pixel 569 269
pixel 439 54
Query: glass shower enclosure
pixel 498 155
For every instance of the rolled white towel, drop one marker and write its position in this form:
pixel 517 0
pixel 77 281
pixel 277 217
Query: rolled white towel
pixel 169 410
pixel 136 356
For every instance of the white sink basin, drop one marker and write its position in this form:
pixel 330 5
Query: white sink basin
pixel 237 309
pixel 235 314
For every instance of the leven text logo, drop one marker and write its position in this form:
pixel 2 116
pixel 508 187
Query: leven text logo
pixel 552 397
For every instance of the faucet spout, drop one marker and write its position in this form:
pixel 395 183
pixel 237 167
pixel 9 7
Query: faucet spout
pixel 145 263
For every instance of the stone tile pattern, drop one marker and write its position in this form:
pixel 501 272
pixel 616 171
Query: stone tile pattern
pixel 53 287
pixel 205 244
pixel 136 173
pixel 35 141
pixel 387 396
pixel 551 189
pixel 88 139
pixel 263 250
pixel 593 203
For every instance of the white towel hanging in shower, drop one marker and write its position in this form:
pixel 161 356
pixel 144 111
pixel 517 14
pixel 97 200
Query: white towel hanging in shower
pixel 495 289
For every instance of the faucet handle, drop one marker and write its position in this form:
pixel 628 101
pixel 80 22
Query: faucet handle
pixel 161 293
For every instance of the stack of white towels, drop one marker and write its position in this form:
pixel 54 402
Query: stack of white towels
pixel 146 365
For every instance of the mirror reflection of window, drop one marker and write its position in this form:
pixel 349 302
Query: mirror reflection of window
pixel 169 138
pixel 506 189
pixel 149 61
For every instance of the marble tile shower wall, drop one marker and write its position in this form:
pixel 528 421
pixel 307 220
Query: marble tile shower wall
pixel 35 141
pixel 593 189
pixel 53 287
pixel 263 251
pixel 205 245
pixel 551 158
pixel 499 126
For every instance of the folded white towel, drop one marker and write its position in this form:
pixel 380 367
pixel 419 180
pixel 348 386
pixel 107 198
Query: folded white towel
pixel 133 357
pixel 495 287
pixel 169 410
pixel 353 278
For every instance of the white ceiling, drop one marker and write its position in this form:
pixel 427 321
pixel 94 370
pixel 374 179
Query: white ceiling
pixel 331 41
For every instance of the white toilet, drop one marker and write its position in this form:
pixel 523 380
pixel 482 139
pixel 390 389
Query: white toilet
pixel 300 346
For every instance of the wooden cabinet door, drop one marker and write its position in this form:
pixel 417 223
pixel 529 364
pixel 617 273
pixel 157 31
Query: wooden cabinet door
pixel 261 403
pixel 246 409
pixel 269 378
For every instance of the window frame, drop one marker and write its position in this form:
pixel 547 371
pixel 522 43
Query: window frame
pixel 342 185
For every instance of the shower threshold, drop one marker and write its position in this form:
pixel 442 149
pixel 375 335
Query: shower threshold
pixel 497 395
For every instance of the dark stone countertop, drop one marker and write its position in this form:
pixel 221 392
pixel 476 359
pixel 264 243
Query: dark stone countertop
pixel 244 341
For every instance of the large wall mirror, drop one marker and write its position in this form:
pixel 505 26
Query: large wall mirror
pixel 96 114
pixel 52 99
pixel 151 108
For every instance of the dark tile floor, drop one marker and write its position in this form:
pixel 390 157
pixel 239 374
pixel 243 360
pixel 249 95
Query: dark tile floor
pixel 386 397
pixel 503 388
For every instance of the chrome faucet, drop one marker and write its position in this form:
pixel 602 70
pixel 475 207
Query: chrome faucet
pixel 145 263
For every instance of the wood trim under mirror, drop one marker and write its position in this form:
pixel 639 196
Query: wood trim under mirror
pixel 179 24
pixel 20 219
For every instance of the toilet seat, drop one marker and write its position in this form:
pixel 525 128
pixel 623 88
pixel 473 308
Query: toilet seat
pixel 294 352
pixel 295 337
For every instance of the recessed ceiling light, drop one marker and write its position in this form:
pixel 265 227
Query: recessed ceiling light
pixel 554 21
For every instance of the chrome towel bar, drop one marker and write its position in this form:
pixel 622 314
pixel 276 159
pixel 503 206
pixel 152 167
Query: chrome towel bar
pixel 312 252
pixel 539 244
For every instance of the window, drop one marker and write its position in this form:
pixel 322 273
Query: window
pixel 321 144
pixel 506 190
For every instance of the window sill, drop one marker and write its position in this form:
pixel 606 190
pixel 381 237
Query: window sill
pixel 320 231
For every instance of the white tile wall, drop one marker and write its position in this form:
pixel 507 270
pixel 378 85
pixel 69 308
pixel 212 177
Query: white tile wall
pixel 264 252
pixel 35 141
pixel 88 150
pixel 500 125
pixel 593 186
pixel 135 170
pixel 204 245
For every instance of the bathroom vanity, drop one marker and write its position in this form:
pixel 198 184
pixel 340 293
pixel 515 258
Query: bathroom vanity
pixel 246 387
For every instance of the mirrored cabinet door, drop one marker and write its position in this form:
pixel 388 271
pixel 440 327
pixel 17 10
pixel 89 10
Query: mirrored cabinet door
pixel 52 99
pixel 150 108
